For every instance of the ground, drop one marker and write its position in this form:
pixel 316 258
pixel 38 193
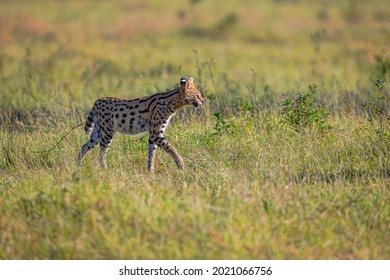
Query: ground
pixel 287 159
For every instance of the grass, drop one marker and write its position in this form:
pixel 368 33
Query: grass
pixel 254 186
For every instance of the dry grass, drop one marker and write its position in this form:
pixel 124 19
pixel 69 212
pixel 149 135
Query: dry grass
pixel 253 188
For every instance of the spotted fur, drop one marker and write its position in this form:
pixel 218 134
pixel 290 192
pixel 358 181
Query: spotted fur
pixel 138 116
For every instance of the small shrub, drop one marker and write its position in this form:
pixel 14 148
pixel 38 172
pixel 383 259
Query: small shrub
pixel 245 108
pixel 223 125
pixel 228 23
pixel 247 113
pixel 374 107
pixel 303 111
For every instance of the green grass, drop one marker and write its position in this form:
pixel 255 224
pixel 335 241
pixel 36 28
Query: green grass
pixel 255 186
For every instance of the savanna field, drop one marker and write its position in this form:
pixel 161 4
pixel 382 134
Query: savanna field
pixel 287 159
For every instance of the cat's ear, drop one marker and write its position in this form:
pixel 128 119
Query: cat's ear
pixel 190 83
pixel 183 81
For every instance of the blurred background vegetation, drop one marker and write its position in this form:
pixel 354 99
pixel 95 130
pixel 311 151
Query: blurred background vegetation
pixel 70 52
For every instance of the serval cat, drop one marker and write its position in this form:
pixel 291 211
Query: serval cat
pixel 138 116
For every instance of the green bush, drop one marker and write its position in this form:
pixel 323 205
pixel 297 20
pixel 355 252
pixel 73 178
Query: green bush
pixel 375 106
pixel 303 111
